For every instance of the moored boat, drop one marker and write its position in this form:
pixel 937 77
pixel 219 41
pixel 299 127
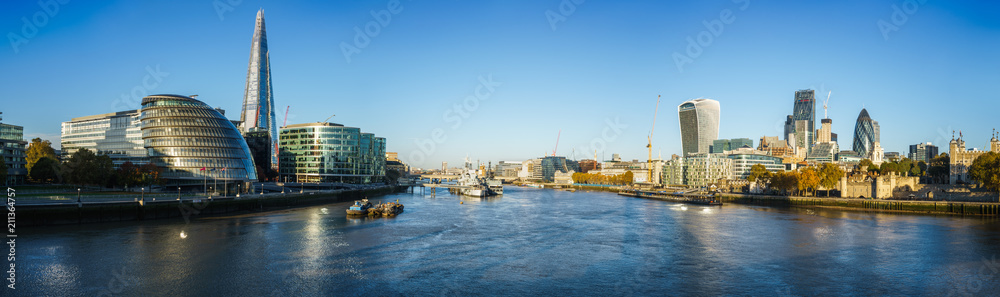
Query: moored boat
pixel 360 207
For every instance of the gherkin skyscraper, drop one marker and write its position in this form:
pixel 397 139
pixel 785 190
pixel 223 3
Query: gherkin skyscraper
pixel 257 116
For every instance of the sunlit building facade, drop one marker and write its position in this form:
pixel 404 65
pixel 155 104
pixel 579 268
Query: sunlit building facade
pixel 699 123
pixel 193 142
pixel 328 152
pixel 866 134
pixel 257 116
pixel 115 134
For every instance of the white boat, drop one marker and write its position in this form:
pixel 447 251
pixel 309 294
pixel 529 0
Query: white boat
pixel 478 187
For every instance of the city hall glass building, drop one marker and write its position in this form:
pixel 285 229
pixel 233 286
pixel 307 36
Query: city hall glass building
pixel 193 142
pixel 328 152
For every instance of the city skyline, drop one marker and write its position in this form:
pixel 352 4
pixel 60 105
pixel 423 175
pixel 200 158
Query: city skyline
pixel 405 81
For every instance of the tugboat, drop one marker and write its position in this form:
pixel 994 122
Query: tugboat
pixel 360 207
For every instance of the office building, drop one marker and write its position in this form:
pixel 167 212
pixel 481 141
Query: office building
pixel 699 124
pixel 12 150
pixel 866 134
pixel 722 145
pixel 673 172
pixel 553 164
pixel 744 160
pixel 257 116
pixel 923 152
pixel 588 165
pixel 115 134
pixel 805 110
pixel 774 146
pixel 707 169
pixel 328 152
pixel 194 143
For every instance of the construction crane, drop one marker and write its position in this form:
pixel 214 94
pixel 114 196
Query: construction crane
pixel 285 123
pixel 649 165
pixel 331 116
pixel 824 104
pixel 557 143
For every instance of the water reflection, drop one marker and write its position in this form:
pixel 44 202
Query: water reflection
pixel 526 242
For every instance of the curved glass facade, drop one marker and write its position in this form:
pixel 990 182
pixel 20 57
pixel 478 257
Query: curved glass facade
pixel 866 134
pixel 699 121
pixel 184 135
pixel 327 152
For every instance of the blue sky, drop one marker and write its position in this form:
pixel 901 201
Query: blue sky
pixel 601 62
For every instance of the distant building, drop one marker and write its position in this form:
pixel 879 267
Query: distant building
pixel 722 145
pixel 588 165
pixel 117 135
pixel 866 134
pixel 699 123
pixel 892 156
pixel 825 133
pixel 391 156
pixel 774 146
pixel 12 150
pixel 961 159
pixel 444 167
pixel 824 152
pixel 923 152
pixel 509 168
pixel 553 164
pixel 707 169
pixel 328 152
pixel 743 161
pixel 673 172
pixel 805 110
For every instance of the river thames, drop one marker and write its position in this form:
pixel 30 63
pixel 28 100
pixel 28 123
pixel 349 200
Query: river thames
pixel 526 242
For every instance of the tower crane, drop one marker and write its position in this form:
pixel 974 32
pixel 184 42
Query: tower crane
pixel 825 116
pixel 649 165
pixel 285 123
pixel 557 143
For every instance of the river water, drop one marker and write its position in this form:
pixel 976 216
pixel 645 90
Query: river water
pixel 526 242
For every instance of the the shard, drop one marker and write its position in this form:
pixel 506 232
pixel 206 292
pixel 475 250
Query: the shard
pixel 257 117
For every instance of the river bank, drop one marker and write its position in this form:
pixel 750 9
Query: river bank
pixel 72 213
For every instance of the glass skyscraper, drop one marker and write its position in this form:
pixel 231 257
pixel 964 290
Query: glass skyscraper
pixel 805 110
pixel 258 99
pixel 699 123
pixel 866 134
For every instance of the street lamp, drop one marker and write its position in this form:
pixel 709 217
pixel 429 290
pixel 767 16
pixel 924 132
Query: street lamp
pixel 178 193
pixel 78 195
pixel 143 195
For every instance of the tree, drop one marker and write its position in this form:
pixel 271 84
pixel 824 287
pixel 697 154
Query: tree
pixel 808 179
pixel 905 166
pixel 759 175
pixel 80 168
pixel 46 169
pixel 830 175
pixel 986 170
pixel 627 178
pixel 922 167
pixel 150 174
pixel 940 168
pixel 888 167
pixel 37 150
pixel 392 176
pixel 865 164
pixel 128 174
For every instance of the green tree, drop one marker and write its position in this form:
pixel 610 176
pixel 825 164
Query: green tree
pixel 888 167
pixel 921 167
pixel 808 179
pixel 150 174
pixel 46 170
pixel 37 150
pixel 940 168
pixel 80 167
pixel 392 176
pixel 830 175
pixel 128 174
pixel 104 171
pixel 986 170
pixel 905 166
